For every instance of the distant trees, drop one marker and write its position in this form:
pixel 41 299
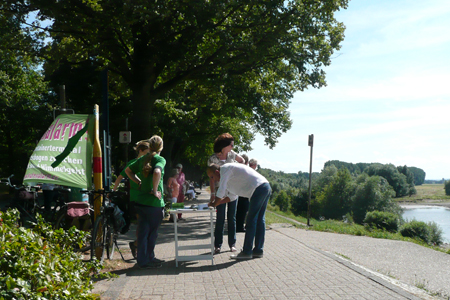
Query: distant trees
pixel 419 175
pixel 403 184
pixel 447 188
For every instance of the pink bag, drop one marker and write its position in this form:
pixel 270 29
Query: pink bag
pixel 77 209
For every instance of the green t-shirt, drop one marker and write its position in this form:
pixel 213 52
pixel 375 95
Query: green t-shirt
pixel 143 195
pixel 133 185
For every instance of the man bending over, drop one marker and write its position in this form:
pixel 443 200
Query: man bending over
pixel 241 180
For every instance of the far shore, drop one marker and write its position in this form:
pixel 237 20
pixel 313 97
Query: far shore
pixel 442 203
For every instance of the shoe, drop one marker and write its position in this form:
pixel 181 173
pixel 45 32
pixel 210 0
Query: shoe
pixel 158 261
pixel 216 250
pixel 133 249
pixel 152 265
pixel 181 219
pixel 258 255
pixel 233 249
pixel 240 230
pixel 241 255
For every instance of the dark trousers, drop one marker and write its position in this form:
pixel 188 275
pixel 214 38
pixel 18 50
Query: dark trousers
pixel 148 223
pixel 241 213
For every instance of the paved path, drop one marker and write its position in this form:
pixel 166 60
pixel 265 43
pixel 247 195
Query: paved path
pixel 298 264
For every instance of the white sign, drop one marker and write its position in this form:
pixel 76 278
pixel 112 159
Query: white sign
pixel 125 137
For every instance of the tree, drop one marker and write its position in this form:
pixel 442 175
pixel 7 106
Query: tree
pixel 372 193
pixel 397 180
pixel 193 69
pixel 335 199
pixel 419 175
pixel 282 201
pixel 23 111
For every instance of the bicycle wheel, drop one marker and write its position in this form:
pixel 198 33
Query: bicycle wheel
pixel 111 237
pixel 62 220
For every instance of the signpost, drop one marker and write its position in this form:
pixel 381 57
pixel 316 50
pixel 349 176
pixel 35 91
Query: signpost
pixel 310 143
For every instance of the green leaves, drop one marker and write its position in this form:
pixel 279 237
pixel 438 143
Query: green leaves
pixel 39 263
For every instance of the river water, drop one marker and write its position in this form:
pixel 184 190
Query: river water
pixel 438 214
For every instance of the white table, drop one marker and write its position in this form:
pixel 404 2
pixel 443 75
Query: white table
pixel 209 246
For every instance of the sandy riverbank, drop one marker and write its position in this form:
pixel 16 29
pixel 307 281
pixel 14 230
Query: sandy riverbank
pixel 443 203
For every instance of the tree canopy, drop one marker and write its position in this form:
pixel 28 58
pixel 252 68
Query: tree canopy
pixel 190 70
pixel 22 90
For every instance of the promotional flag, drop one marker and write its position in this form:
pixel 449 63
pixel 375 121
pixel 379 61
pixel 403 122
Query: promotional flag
pixel 64 154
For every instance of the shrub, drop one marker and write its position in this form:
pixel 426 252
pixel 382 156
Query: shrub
pixel 447 188
pixel 382 220
pixel 39 263
pixel 435 233
pixel 416 229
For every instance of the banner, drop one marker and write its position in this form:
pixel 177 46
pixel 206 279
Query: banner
pixel 64 154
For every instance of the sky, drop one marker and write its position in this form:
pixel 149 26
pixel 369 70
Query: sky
pixel 387 98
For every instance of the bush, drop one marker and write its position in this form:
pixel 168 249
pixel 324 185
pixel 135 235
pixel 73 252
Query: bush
pixel 416 229
pixel 435 233
pixel 382 220
pixel 39 263
pixel 447 188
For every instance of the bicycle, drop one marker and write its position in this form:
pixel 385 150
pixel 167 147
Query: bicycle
pixel 25 200
pixel 107 226
pixel 78 214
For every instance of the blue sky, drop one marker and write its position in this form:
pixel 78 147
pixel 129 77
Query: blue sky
pixel 387 98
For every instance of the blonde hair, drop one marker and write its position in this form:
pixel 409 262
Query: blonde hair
pixel 156 146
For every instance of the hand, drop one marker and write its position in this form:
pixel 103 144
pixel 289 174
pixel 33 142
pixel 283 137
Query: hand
pixel 157 194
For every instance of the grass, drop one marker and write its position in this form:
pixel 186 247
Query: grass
pixel 427 192
pixel 274 215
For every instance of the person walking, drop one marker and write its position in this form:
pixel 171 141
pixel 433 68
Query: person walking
pixel 149 201
pixel 224 154
pixel 238 179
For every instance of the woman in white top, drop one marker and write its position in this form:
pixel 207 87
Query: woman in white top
pixel 223 154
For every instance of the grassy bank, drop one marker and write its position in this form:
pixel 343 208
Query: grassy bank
pixel 427 193
pixel 275 216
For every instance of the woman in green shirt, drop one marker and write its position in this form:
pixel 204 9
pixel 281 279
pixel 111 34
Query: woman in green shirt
pixel 149 201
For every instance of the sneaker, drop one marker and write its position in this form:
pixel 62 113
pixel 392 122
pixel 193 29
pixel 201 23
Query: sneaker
pixel 133 249
pixel 241 255
pixel 240 230
pixel 152 265
pixel 216 250
pixel 258 255
pixel 159 261
pixel 233 249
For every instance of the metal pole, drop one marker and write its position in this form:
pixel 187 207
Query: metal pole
pixel 310 143
pixel 126 145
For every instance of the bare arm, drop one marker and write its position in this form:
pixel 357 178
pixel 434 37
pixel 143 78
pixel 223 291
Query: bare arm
pixel 212 187
pixel 156 179
pixel 219 201
pixel 117 182
pixel 133 177
pixel 239 159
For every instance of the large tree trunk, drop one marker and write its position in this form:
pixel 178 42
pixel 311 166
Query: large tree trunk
pixel 141 123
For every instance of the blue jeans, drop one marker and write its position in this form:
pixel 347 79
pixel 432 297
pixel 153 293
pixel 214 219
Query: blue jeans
pixel 148 223
pixel 220 222
pixel 256 219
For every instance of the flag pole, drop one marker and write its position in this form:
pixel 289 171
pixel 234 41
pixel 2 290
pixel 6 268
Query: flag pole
pixel 97 173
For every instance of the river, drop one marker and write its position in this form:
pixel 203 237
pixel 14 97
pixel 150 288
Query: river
pixel 438 214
